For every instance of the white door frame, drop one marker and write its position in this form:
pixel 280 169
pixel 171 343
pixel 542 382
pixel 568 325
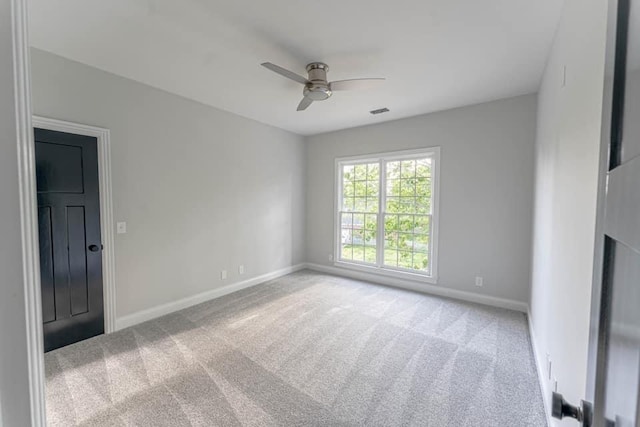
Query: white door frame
pixel 28 212
pixel 106 207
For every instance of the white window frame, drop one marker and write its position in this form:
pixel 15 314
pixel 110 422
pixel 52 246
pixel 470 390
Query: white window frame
pixel 379 268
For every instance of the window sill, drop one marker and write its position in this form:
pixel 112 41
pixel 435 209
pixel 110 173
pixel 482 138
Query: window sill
pixel 387 272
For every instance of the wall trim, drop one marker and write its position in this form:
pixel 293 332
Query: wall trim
pixel 170 307
pixel 28 212
pixel 539 369
pixel 421 287
pixel 107 229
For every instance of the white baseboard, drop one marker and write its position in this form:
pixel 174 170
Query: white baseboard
pixel 421 287
pixel 540 369
pixel 161 310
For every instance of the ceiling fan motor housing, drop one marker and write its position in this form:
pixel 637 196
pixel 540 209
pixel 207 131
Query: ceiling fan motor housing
pixel 318 87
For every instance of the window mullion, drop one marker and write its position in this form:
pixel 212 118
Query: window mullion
pixel 382 200
pixel 430 243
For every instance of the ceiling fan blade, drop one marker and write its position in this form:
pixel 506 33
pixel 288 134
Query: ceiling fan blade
pixel 304 103
pixel 355 84
pixel 284 72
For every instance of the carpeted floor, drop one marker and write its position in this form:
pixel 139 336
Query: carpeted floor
pixel 304 350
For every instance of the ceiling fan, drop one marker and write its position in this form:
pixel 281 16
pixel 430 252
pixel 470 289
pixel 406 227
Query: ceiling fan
pixel 316 87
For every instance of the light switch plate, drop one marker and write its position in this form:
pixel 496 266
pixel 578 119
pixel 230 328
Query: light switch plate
pixel 121 227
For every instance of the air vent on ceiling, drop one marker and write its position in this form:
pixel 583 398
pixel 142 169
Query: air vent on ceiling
pixel 379 111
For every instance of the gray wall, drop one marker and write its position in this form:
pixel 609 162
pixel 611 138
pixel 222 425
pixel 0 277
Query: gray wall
pixel 201 189
pixel 567 160
pixel 14 375
pixel 485 195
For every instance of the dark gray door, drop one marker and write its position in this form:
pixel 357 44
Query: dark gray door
pixel 618 379
pixel 69 237
pixel 614 347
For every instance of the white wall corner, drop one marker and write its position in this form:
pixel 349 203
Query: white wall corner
pixel 171 307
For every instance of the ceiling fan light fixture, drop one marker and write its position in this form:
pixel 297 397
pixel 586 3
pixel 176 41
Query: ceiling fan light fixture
pixel 317 92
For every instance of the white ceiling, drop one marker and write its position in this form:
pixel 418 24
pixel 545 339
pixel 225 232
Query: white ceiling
pixel 435 54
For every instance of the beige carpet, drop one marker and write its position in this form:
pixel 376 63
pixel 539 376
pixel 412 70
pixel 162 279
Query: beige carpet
pixel 306 349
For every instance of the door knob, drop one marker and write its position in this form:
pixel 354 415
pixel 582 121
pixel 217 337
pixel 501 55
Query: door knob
pixel 560 408
pixel 95 248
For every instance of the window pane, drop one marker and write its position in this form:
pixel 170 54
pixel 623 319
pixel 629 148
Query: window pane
pixel 408 169
pixel 358 236
pixel 347 173
pixel 393 205
pixel 393 188
pixel 420 261
pixel 407 205
pixel 370 235
pixel 346 236
pixel 358 253
pixel 373 172
pixel 405 259
pixel 390 223
pixel 360 172
pixel 348 189
pixel 390 240
pixel 405 223
pixel 408 187
pixel 423 195
pixel 371 223
pixel 346 220
pixel 346 252
pixel 422 224
pixel 348 203
pixel 372 189
pixel 421 242
pixel 370 238
pixel 360 204
pixel 405 241
pixel 390 258
pixel 360 188
pixel 423 167
pixel 372 205
pixel 371 253
pixel 423 186
pixel 393 170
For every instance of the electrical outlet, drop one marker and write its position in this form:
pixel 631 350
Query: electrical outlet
pixel 564 76
pixel 479 281
pixel 547 366
pixel 330 257
pixel 241 269
pixel 223 275
pixel 121 227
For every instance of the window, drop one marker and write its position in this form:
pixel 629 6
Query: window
pixel 387 213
